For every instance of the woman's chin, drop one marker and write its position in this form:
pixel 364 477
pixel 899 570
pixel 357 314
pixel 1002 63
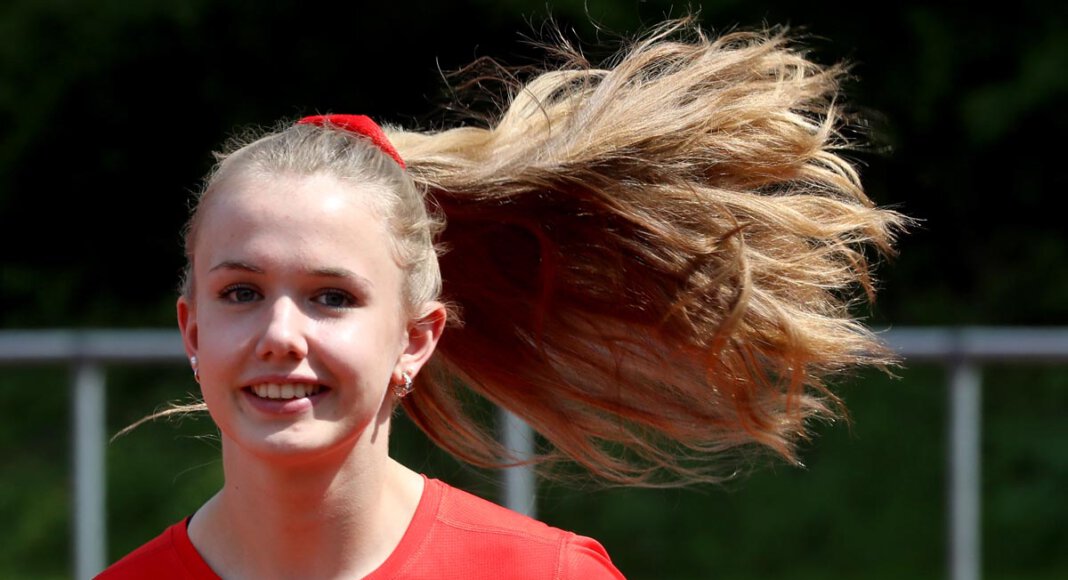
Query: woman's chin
pixel 293 443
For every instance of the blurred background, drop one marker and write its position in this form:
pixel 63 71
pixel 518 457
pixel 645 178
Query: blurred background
pixel 109 111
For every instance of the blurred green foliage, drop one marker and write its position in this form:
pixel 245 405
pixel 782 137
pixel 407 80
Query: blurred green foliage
pixel 870 502
pixel 108 111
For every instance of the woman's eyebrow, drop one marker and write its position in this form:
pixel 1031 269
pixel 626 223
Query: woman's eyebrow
pixel 343 273
pixel 329 272
pixel 236 265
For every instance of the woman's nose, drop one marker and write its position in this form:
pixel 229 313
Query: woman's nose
pixel 283 332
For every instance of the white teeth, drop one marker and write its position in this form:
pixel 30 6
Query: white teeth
pixel 285 390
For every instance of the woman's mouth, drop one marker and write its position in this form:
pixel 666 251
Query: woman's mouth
pixel 282 391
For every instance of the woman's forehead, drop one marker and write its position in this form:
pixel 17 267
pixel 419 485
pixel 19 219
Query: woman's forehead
pixel 318 218
pixel 317 200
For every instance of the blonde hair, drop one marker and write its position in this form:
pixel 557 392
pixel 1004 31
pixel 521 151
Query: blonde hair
pixel 655 261
pixel 308 150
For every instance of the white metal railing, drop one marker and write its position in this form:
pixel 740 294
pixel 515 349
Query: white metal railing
pixel 964 350
pixel 86 351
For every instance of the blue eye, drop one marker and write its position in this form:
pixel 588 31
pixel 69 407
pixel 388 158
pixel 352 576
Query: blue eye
pixel 239 294
pixel 335 299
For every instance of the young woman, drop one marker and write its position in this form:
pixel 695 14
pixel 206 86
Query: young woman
pixel 653 265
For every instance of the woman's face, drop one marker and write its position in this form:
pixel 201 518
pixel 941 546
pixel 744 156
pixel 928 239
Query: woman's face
pixel 296 319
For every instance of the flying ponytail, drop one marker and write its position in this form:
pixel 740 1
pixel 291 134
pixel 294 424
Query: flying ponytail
pixel 655 262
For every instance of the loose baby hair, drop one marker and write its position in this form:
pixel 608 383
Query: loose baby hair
pixel 655 260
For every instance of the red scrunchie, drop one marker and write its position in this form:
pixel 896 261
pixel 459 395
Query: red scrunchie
pixel 361 125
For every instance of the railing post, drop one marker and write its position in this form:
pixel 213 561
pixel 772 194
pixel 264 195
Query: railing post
pixel 519 482
pixel 87 447
pixel 965 401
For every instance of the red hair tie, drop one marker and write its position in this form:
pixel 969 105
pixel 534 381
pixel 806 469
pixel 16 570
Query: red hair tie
pixel 361 125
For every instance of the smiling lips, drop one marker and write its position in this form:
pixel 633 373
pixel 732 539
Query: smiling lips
pixel 285 390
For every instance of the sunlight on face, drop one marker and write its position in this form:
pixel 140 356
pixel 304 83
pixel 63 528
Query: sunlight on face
pixel 297 317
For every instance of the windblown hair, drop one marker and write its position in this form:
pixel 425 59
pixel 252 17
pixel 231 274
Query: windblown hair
pixel 655 261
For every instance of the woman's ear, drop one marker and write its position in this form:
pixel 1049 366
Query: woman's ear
pixel 423 335
pixel 187 325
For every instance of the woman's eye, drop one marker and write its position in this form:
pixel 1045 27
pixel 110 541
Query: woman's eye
pixel 240 294
pixel 335 299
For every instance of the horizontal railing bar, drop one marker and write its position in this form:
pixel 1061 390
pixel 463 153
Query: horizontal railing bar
pixel 978 343
pixel 103 345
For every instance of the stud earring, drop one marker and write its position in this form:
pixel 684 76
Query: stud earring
pixel 196 370
pixel 403 390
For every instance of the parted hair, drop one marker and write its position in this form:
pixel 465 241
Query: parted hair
pixel 656 262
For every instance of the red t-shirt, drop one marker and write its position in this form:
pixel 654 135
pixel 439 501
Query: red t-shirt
pixel 453 535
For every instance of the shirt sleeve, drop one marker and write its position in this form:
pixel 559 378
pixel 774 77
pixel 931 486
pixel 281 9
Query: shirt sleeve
pixel 586 559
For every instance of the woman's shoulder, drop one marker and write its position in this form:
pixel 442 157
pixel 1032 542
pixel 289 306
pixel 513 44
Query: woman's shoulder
pixel 480 539
pixel 168 556
pixel 453 534
pixel 465 511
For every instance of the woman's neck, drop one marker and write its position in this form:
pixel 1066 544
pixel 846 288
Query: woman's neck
pixel 334 516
